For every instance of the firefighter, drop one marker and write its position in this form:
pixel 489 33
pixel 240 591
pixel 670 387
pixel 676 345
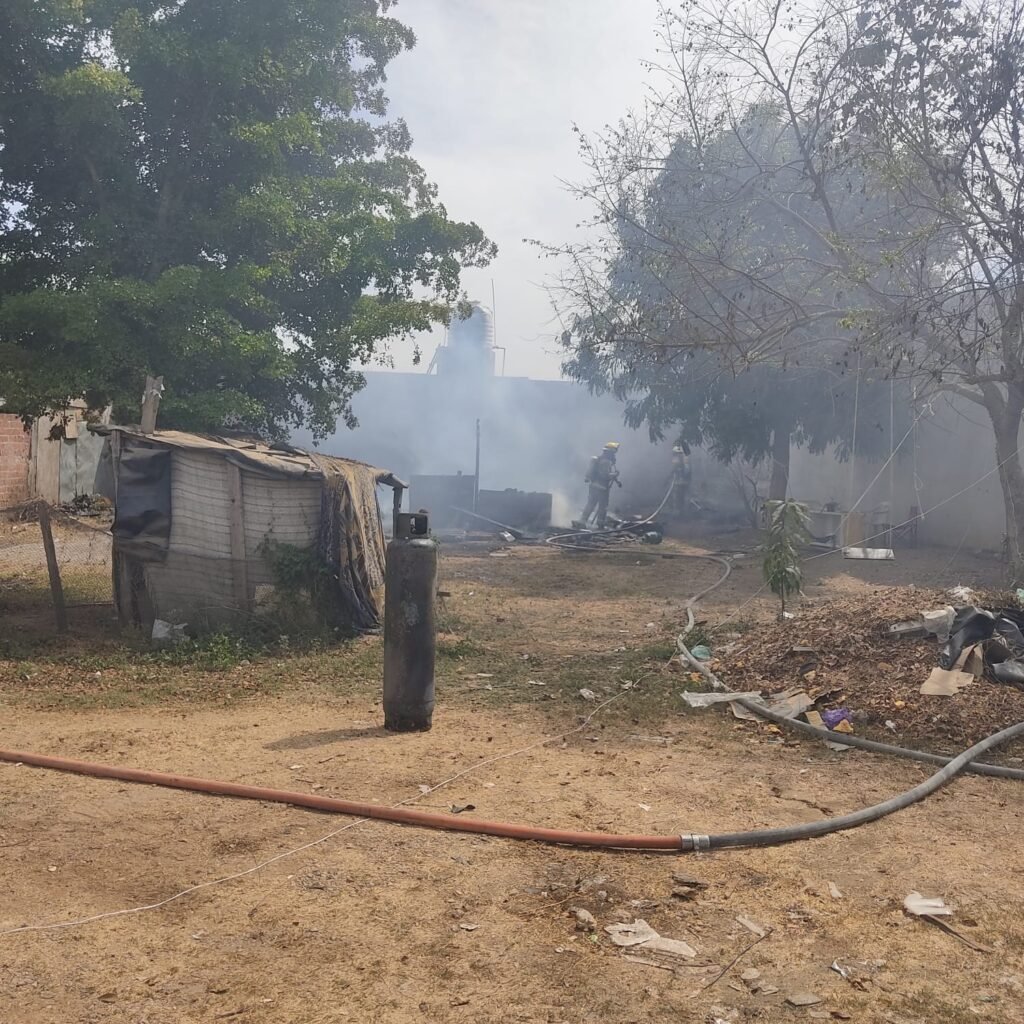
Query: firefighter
pixel 681 475
pixel 600 476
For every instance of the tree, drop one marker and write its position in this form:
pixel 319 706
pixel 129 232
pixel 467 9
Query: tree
pixel 787 529
pixel 210 190
pixel 705 311
pixel 922 102
pixel 938 87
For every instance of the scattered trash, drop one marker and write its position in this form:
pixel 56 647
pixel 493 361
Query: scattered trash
pixel 585 921
pixel 506 536
pixel 424 788
pixel 701 652
pixel 534 682
pixel 792 704
pixel 932 910
pixel 631 934
pixel 843 725
pixel 750 975
pixel 925 906
pixel 939 622
pixel 803 999
pixel 588 694
pixel 169 632
pixel 461 808
pixel 965 595
pixel 641 934
pixel 906 630
pixel 499 554
pixel 469 927
pixel 945 682
pixel 834 891
pixel 833 716
pixel 671 947
pixel 644 807
pixel 752 926
pixel 815 719
pixel 857 972
pixel 1000 637
pixel 870 554
pixel 707 700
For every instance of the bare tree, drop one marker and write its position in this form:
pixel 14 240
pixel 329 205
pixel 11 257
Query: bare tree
pixel 807 180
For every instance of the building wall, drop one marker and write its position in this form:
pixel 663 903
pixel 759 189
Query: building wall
pixel 535 435
pixel 14 460
pixel 946 468
pixel 539 436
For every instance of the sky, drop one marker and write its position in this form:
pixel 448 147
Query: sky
pixel 490 94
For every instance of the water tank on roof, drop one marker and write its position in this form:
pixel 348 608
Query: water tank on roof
pixel 476 331
pixel 470 347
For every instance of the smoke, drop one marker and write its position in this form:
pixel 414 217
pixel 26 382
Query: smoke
pixel 534 436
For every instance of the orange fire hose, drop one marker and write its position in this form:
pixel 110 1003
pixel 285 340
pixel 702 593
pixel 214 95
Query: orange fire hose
pixel 401 815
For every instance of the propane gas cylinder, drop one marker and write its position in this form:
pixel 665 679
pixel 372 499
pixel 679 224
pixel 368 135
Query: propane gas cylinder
pixel 410 586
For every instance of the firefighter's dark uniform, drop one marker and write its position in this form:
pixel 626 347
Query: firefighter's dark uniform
pixel 601 475
pixel 680 482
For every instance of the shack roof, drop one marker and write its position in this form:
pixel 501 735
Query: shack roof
pixel 256 456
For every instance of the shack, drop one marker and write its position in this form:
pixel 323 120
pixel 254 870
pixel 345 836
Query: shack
pixel 208 530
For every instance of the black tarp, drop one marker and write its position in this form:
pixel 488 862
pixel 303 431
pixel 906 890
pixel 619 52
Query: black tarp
pixel 142 510
pixel 1000 633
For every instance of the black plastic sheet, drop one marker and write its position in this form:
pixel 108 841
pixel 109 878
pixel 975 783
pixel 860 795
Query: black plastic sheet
pixel 142 509
pixel 1001 634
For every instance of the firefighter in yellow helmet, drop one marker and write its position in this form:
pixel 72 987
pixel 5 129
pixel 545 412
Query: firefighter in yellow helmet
pixel 600 477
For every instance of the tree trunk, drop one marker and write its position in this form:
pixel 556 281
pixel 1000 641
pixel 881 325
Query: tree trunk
pixel 1007 425
pixel 779 486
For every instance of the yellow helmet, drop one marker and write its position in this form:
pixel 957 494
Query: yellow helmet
pixel 612 446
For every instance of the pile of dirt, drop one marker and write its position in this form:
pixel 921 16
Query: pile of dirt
pixel 841 651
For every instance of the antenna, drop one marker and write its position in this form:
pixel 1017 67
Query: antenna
pixel 494 324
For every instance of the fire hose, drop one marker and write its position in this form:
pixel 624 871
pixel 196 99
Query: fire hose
pixel 683 842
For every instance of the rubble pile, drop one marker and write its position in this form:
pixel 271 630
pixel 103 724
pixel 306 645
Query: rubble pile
pixel 843 653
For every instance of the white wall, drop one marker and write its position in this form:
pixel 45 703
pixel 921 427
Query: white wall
pixel 951 450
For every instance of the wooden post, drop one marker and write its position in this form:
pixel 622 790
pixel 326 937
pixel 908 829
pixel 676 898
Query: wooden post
pixel 239 565
pixel 151 403
pixel 56 587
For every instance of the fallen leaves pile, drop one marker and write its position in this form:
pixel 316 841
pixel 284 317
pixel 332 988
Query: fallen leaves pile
pixel 840 650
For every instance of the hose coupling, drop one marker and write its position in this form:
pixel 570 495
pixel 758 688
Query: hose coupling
pixel 695 842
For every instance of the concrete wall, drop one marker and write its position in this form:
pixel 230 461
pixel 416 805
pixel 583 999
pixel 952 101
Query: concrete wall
pixel 535 436
pixel 540 435
pixel 14 460
pixel 946 468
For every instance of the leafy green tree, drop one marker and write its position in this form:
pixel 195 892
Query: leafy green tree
pixel 210 190
pixel 787 529
pixel 711 316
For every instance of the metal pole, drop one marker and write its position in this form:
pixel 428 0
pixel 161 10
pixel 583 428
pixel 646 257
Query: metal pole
pixel 476 471
pixel 56 587
pixel 396 509
pixel 892 454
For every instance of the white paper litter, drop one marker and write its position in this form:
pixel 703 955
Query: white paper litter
pixel 925 906
pixel 707 700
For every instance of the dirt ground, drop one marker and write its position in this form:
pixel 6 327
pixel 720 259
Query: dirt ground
pixel 393 924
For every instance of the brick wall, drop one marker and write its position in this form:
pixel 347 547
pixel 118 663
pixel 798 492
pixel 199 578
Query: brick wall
pixel 14 455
